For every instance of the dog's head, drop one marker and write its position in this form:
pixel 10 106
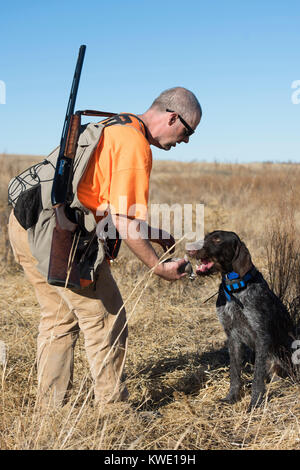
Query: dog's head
pixel 223 252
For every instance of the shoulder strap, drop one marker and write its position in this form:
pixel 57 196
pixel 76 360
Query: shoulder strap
pixel 123 119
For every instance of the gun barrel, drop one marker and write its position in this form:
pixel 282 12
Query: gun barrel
pixel 64 162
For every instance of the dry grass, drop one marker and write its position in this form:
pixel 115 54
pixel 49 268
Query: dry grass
pixel 177 362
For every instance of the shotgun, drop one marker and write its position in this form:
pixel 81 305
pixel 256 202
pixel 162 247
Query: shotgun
pixel 62 272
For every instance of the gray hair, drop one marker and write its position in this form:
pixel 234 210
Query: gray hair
pixel 178 99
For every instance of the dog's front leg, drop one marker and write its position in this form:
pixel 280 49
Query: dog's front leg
pixel 260 373
pixel 235 353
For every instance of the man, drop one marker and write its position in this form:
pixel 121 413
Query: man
pixel 116 178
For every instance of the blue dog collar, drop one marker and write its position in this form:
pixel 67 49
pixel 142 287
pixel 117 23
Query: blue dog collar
pixel 232 282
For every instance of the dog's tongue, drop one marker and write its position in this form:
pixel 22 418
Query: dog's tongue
pixel 204 266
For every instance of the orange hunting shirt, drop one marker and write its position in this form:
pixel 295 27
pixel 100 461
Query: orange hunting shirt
pixel 119 170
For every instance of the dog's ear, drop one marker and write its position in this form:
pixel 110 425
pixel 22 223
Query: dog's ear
pixel 241 262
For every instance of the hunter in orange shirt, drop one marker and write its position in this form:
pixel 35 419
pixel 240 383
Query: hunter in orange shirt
pixel 117 176
pixel 118 173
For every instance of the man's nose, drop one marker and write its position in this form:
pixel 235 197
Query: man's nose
pixel 184 139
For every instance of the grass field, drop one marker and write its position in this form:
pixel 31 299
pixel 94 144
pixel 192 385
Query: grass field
pixel 177 364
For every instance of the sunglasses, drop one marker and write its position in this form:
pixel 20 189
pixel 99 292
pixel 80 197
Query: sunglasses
pixel 189 131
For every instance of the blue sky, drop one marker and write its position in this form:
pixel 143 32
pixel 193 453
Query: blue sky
pixel 239 58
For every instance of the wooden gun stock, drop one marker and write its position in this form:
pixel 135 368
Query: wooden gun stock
pixel 63 270
pixel 73 134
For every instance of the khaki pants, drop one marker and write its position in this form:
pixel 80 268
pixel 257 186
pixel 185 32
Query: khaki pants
pixel 97 311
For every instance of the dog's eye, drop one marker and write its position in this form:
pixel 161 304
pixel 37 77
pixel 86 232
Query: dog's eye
pixel 216 240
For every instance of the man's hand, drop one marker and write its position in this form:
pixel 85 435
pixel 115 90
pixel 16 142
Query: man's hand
pixel 171 270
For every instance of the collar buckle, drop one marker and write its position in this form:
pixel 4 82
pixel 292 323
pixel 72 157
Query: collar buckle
pixel 232 282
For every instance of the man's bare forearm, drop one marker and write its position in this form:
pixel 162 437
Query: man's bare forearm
pixel 144 251
pixel 136 237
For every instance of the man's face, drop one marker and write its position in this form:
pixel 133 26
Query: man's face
pixel 174 131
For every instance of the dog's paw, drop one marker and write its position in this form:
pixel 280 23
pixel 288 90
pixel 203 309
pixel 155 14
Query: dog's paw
pixel 230 398
pixel 256 402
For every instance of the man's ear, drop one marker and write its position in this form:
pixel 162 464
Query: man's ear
pixel 241 262
pixel 172 118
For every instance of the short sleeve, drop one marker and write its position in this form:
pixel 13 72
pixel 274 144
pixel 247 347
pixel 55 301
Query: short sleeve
pixel 131 166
